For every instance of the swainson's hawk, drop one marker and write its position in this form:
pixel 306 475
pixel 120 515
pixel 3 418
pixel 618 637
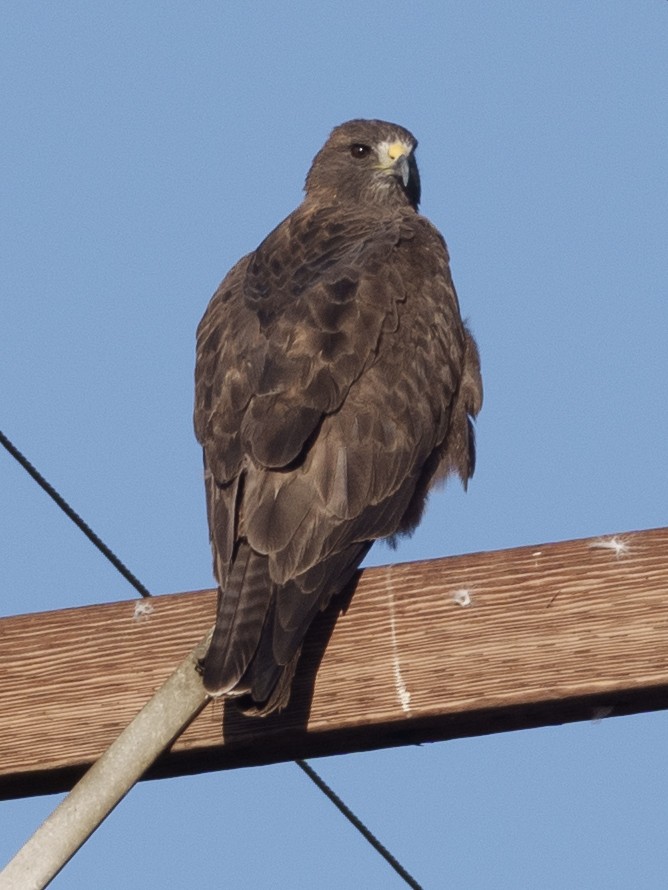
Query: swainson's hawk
pixel 335 384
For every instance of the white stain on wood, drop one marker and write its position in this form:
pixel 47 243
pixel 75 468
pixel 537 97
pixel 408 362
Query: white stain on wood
pixel 403 694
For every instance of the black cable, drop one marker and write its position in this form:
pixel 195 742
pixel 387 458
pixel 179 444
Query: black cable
pixel 136 583
pixel 76 519
pixel 360 826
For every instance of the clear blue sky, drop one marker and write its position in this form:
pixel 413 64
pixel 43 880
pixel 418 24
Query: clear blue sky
pixel 144 148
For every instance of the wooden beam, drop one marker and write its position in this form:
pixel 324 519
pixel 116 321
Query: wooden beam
pixel 552 633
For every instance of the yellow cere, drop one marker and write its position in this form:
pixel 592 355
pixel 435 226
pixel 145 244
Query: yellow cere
pixel 396 149
pixel 388 152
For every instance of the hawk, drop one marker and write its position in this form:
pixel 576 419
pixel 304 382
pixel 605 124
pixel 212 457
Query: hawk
pixel 335 384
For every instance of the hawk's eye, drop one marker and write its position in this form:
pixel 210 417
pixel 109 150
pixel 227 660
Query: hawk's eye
pixel 359 151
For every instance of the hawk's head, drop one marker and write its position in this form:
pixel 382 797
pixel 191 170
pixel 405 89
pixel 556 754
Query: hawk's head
pixel 366 162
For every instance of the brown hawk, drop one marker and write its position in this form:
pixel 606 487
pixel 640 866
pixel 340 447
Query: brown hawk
pixel 335 384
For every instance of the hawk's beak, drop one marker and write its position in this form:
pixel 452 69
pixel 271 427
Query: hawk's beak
pixel 396 162
pixel 401 169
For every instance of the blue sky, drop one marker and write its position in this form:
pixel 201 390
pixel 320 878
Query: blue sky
pixel 144 149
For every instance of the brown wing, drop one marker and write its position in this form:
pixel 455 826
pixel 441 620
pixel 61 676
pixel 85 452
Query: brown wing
pixel 334 378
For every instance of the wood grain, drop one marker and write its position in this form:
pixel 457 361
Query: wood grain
pixel 553 632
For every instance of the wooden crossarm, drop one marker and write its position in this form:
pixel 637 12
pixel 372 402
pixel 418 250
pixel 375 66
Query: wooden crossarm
pixel 425 651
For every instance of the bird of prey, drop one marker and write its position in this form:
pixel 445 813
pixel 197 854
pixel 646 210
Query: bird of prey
pixel 335 385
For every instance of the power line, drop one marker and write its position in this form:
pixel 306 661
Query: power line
pixel 136 583
pixel 360 826
pixel 73 515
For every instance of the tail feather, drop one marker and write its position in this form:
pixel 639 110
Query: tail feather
pixel 242 610
pixel 260 626
pixel 270 690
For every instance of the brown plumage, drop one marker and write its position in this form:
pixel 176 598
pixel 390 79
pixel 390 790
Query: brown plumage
pixel 335 384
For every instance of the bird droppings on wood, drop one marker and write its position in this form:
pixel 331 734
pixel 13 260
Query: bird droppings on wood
pixel 619 546
pixel 403 694
pixel 142 611
pixel 462 597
